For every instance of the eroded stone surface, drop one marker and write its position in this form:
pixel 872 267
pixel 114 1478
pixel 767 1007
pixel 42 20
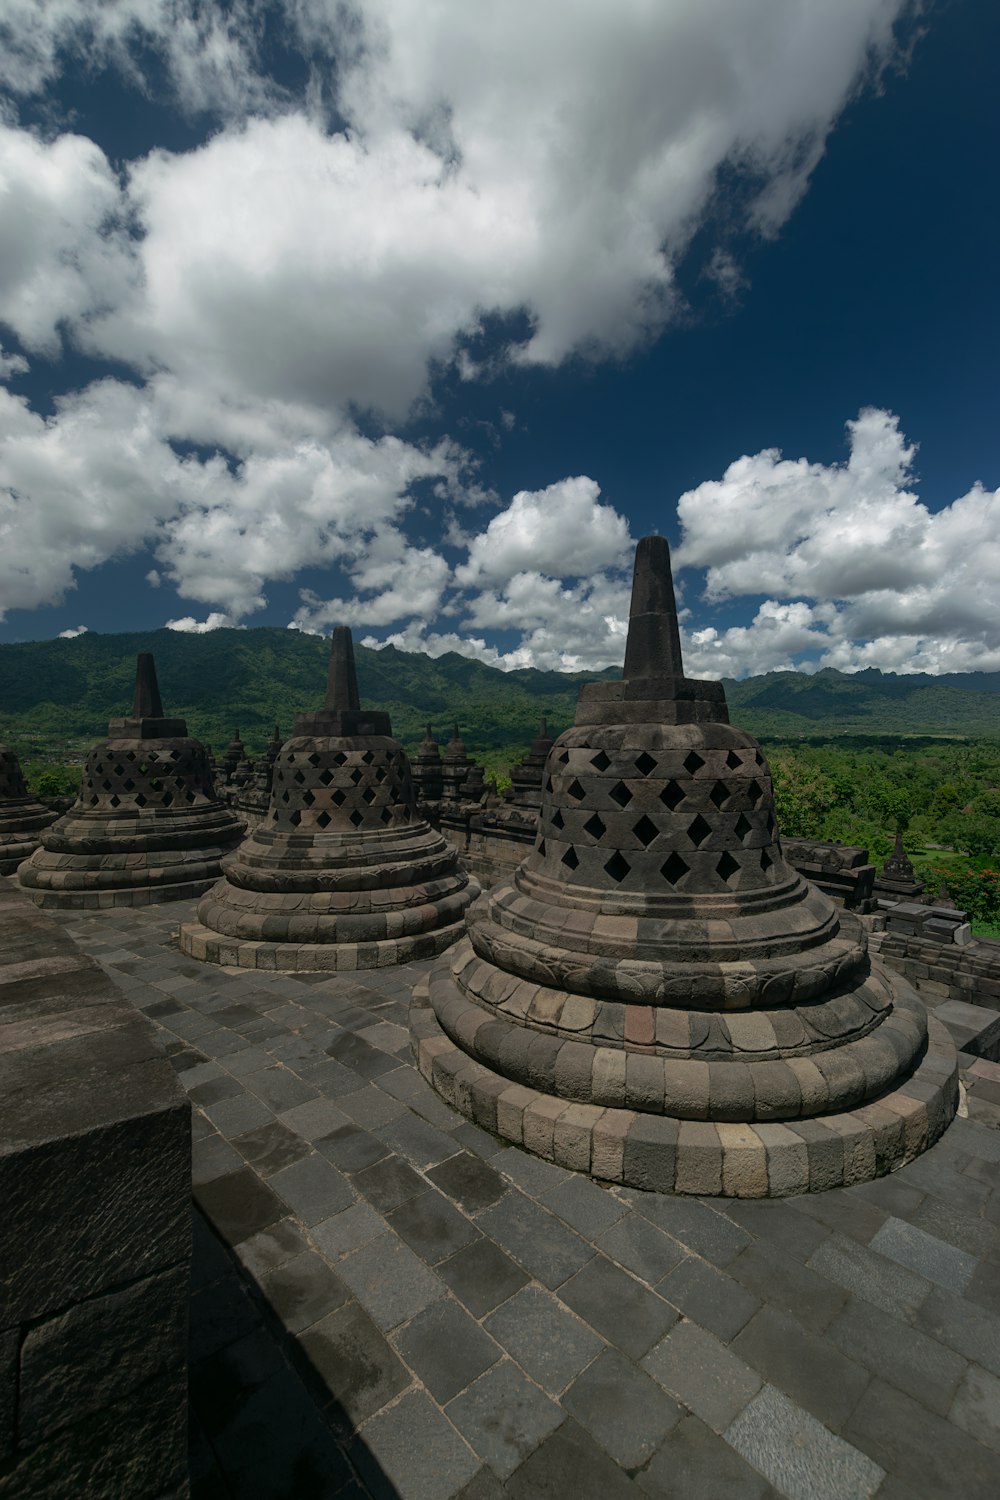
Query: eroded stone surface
pixel 22 817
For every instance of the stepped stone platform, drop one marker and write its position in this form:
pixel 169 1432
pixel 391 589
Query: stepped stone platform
pixel 390 1303
pixel 657 997
pixel 22 817
pixel 342 872
pixel 147 825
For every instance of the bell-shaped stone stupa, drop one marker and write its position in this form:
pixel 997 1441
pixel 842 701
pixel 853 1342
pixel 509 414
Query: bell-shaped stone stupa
pixel 658 998
pixel 22 817
pixel 341 873
pixel 146 826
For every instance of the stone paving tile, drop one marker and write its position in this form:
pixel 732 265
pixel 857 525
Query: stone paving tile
pixel 419 1142
pixel 542 1243
pixel 984 1286
pixel 569 1463
pixel 976 1407
pixel 390 1282
pixel 315 1118
pixel 706 1231
pixel 870 1276
pixel 925 1253
pixel 797 1454
pixel 482 1276
pixel 303 1290
pixel 795 1233
pixel 347 1230
pixel 357 1367
pixel 352 1148
pixel 446 1349
pixel 531 1173
pixel 701 1372
pixel 370 1106
pixel 270 1147
pixel 585 1206
pixel 239 1204
pixel 622 1409
pixel 619 1307
pixel 504 1417
pixel 417 1449
pixel 549 1343
pixel 708 1297
pixel 432 1226
pixel 212 1156
pixel 928 1457
pixel 962 1326
pixel 813 1373
pixel 470 1182
pixel 695 1464
pixel 775 1277
pixel 389 1183
pixel 899 1354
pixel 313 1188
pixel 272 1247
pixel 641 1248
pixel 238 1115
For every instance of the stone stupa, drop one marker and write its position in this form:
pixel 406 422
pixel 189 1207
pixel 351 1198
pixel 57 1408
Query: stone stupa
pixel 526 778
pixel 146 825
pixel 22 816
pixel 657 998
pixel 342 872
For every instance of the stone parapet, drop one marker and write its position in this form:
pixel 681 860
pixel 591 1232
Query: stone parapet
pixel 95 1161
pixel 968 971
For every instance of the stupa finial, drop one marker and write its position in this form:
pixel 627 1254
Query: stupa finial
pixel 653 648
pixel 146 703
pixel 341 677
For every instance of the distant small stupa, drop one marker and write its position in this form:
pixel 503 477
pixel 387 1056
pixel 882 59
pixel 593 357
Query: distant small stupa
pixel 22 816
pixel 146 825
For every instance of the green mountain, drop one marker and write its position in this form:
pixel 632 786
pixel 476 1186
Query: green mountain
pixel 58 695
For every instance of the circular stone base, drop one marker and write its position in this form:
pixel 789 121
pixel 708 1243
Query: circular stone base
pixel 136 895
pixel 237 953
pixel 665 1155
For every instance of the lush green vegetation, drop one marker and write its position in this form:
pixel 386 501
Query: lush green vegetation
pixel 854 758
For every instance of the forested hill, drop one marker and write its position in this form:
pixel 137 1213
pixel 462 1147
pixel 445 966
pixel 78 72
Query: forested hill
pixel 60 691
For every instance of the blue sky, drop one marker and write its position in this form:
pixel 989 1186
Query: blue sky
pixel 415 317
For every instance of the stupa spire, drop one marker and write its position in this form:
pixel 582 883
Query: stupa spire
pixel 146 701
pixel 342 677
pixel 653 647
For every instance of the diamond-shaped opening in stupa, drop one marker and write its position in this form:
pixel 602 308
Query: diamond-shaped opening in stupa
pixel 595 826
pixel 674 868
pixel 620 793
pixel 743 827
pixel 576 791
pixel 672 795
pixel 338 798
pixel 357 818
pixel 323 819
pixel 617 866
pixel 645 831
pixel 600 761
pixel 645 763
pixel 719 794
pixel 368 757
pixel 733 760
pixel 727 866
pixel 693 763
pixel 557 819
pixel 754 791
pixel 368 795
pixel 571 859
pixel 356 776
pixel 699 831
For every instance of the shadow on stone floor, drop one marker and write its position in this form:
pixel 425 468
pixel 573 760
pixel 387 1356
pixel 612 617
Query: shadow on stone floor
pixel 263 1425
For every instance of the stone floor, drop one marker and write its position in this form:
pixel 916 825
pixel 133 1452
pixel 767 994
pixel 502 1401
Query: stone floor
pixel 388 1302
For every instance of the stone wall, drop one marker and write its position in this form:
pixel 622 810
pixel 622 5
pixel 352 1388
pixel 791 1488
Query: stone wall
pixel 94 1230
pixel 944 971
